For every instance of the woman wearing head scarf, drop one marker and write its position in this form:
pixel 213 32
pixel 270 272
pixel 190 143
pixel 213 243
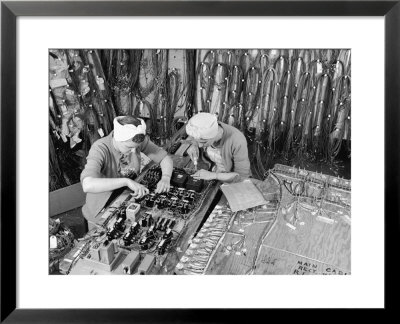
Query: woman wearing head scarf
pixel 223 144
pixel 114 161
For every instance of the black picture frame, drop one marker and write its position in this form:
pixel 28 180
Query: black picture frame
pixel 10 10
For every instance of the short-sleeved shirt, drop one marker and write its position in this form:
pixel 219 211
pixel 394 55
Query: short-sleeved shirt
pixel 104 161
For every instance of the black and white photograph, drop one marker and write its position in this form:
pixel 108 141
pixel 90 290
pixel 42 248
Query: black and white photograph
pixel 190 161
pixel 199 161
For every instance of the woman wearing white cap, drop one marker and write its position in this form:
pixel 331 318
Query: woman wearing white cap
pixel 223 144
pixel 114 161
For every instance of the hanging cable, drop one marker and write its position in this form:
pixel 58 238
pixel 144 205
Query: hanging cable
pixel 191 81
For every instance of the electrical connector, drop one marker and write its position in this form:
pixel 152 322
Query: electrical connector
pixel 146 265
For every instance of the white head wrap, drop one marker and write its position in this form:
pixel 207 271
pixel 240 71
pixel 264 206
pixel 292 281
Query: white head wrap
pixel 202 126
pixel 128 131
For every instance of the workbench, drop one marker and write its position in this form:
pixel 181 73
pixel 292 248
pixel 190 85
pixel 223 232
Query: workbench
pixel 304 227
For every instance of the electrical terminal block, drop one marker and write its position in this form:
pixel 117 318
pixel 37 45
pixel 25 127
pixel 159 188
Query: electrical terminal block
pixel 132 210
pixel 95 253
pixel 146 265
pixel 130 262
pixel 119 224
pixel 168 234
pixel 106 253
pixel 163 225
pixel 162 246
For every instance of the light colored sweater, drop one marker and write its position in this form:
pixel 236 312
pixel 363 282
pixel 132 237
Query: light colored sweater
pixel 234 152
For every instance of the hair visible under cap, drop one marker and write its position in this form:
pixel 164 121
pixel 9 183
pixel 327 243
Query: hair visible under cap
pixel 126 120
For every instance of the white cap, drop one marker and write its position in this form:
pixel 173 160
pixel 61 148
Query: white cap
pixel 128 131
pixel 202 126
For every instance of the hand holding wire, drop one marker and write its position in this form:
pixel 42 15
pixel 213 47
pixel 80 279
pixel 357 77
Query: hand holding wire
pixel 138 190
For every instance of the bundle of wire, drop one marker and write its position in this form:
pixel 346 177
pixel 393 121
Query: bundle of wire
pixel 251 93
pixel 123 68
pixel 172 100
pixel 101 95
pixel 235 89
pixel 191 81
pixel 158 129
pixel 203 76
pixel 218 90
pixel 79 73
pixel 64 237
pixel 199 254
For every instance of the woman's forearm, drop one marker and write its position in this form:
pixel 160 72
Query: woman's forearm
pixel 96 185
pixel 167 166
pixel 225 176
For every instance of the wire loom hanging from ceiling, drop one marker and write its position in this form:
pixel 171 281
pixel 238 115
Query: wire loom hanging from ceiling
pixel 299 109
pixel 123 68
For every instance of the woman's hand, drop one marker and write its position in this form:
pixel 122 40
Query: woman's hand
pixel 138 190
pixel 205 175
pixel 193 152
pixel 163 185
